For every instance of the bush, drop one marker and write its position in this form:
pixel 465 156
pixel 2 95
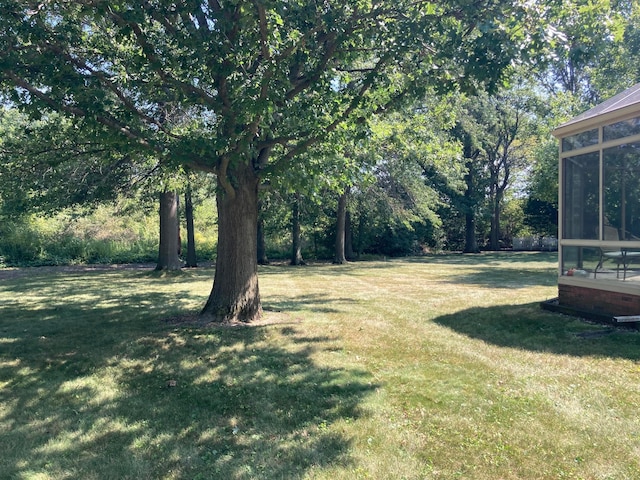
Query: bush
pixel 123 232
pixel 101 237
pixel 20 243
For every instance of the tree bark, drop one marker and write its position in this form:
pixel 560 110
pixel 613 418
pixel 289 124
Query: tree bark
pixel 470 239
pixel 235 296
pixel 192 260
pixel 340 257
pixel 296 243
pixel 168 258
pixel 494 235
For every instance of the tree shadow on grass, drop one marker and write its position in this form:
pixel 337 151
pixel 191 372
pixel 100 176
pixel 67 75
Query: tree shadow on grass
pixel 494 278
pixel 491 263
pixel 314 302
pixel 95 389
pixel 528 327
pixel 488 258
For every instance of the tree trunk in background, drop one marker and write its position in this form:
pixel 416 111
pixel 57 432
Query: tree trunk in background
pixel 261 243
pixel 296 243
pixel 168 258
pixel 235 295
pixel 494 235
pixel 339 257
pixel 470 239
pixel 192 260
pixel 348 238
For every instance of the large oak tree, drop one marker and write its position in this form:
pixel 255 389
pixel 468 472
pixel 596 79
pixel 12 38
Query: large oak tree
pixel 241 87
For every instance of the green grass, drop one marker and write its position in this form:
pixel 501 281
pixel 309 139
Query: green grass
pixel 439 367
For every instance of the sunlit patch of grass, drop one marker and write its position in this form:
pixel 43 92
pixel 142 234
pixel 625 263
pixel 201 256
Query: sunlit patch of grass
pixel 428 368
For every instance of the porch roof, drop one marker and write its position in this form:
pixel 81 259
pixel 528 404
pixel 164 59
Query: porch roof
pixel 621 105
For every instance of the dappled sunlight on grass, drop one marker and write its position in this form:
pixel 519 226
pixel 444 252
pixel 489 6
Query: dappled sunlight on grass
pixel 89 375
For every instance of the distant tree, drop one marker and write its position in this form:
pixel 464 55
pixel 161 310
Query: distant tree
pixel 541 217
pixel 591 30
pixel 192 258
pixel 341 220
pixel 168 258
pixel 411 162
pixel 541 206
pixel 502 157
pixel 466 131
pixel 52 163
pixel 263 258
pixel 502 125
pixel 296 238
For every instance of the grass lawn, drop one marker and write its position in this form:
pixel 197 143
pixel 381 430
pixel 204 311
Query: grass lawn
pixel 439 367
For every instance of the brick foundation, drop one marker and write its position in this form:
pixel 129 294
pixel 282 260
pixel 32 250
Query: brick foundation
pixel 599 301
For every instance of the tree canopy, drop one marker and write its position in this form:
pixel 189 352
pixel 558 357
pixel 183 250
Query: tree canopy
pixel 207 83
pixel 243 87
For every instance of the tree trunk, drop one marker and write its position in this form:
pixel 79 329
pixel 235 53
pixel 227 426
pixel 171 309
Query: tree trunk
pixel 261 243
pixel 168 258
pixel 296 243
pixel 192 260
pixel 495 224
pixel 470 239
pixel 470 201
pixel 340 229
pixel 348 238
pixel 235 296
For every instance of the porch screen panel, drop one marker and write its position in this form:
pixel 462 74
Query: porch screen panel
pixel 581 196
pixel 617 130
pixel 580 140
pixel 622 189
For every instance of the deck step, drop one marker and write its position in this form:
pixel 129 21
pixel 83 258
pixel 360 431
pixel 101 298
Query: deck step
pixel 627 319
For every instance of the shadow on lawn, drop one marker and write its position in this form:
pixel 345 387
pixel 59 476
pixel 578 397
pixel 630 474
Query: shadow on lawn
pixel 489 258
pixel 315 302
pixel 92 388
pixel 487 261
pixel 527 327
pixel 494 278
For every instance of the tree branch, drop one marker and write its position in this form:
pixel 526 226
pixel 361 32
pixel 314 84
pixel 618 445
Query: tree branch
pixel 104 80
pixel 155 62
pixel 161 19
pixel 353 104
pixel 306 81
pixel 222 176
pixel 78 112
pixel 264 33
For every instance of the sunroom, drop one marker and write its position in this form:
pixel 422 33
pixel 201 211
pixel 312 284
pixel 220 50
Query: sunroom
pixel 599 208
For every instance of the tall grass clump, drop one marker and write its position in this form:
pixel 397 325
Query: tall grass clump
pixel 65 238
pixel 115 233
